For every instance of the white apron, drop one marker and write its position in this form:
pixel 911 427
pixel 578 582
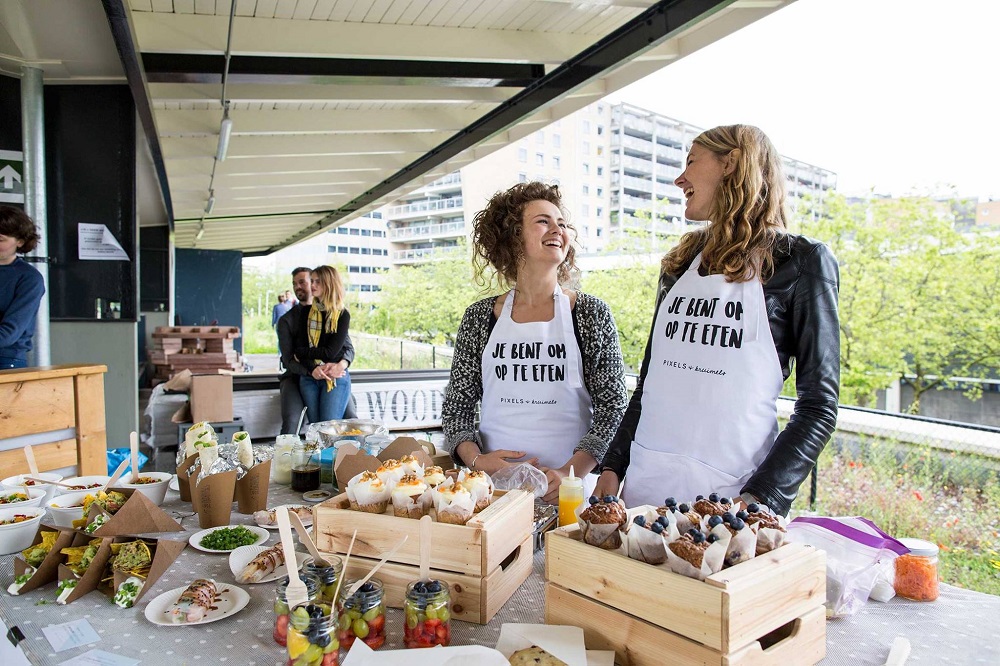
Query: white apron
pixel 709 401
pixel 534 399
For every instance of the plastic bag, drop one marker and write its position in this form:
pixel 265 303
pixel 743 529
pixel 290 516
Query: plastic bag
pixel 116 456
pixel 521 476
pixel 856 555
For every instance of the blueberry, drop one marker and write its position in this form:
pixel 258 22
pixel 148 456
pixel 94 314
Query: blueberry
pixel 420 587
pixel 593 500
pixel 714 497
pixel 640 521
pixel 658 528
pixel 323 640
pixel 670 501
pixel 753 507
pixel 367 588
pixel 608 499
pixel 693 531
pixel 698 537
pixel 714 520
pixel 699 498
pixel 726 501
pixel 727 517
pixel 742 514
pixel 712 538
pixel 663 521
pixel 737 524
pixel 433 587
pixel 684 508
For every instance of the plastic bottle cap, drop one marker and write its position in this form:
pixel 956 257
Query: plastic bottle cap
pixel 572 480
pixel 919 547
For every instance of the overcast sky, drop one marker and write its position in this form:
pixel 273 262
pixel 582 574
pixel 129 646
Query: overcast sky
pixel 895 95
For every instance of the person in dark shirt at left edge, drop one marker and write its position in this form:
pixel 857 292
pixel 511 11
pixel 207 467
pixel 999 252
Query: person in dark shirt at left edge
pixel 21 287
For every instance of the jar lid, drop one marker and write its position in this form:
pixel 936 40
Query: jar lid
pixel 920 547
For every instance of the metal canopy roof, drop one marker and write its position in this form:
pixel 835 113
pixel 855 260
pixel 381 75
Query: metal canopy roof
pixel 339 106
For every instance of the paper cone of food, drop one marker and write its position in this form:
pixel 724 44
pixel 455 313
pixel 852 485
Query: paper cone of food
pixel 183 481
pixel 82 568
pixel 133 574
pixel 251 490
pixel 40 561
pixel 215 498
pixel 139 515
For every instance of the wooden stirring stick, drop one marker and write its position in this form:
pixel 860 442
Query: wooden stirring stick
pixel 425 548
pixel 114 477
pixel 133 440
pixel 385 558
pixel 30 455
pixel 54 483
pixel 343 572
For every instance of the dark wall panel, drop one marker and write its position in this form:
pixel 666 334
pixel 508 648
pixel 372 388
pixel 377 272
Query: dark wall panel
pixel 208 287
pixel 10 113
pixel 154 269
pixel 90 171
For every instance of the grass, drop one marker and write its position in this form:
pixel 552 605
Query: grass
pixel 919 492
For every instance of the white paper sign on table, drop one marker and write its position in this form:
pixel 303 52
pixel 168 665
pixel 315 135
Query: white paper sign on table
pixel 460 655
pixel 69 635
pixel 100 658
pixel 96 242
pixel 562 642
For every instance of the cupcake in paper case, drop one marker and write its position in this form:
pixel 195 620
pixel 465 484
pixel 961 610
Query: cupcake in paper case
pixel 648 535
pixel 742 539
pixel 434 476
pixel 603 522
pixel 480 485
pixel 409 498
pixel 391 471
pixel 711 505
pixel 368 493
pixel 695 555
pixel 411 465
pixel 685 516
pixel 769 528
pixel 453 502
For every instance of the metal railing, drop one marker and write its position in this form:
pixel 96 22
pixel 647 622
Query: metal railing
pixel 425 206
pixel 427 230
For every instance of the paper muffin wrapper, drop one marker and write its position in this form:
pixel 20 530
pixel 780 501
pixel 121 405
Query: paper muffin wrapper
pixel 482 492
pixel 711 562
pixel 742 547
pixel 410 506
pixel 645 545
pixel 606 536
pixel 454 514
pixel 769 538
pixel 390 478
pixel 374 507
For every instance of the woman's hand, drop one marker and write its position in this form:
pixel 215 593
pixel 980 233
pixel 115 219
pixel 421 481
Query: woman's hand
pixel 554 477
pixel 335 370
pixel 319 373
pixel 494 461
pixel 607 484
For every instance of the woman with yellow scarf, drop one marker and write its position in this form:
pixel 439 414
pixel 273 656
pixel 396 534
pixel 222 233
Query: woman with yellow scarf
pixel 319 344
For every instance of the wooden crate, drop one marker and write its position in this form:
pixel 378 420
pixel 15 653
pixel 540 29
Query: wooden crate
pixel 474 598
pixel 476 548
pixel 723 616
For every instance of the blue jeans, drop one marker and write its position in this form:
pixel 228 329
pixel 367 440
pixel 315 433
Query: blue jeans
pixel 323 405
pixel 9 362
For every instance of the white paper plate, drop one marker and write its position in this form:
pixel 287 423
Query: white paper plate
pixel 306 522
pixel 241 557
pixel 195 540
pixel 174 485
pixel 232 600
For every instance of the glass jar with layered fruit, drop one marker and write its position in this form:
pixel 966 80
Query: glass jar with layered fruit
pixel 427 610
pixel 312 639
pixel 281 605
pixel 362 615
pixel 328 575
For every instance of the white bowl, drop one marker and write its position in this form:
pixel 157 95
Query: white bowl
pixel 17 481
pixel 17 536
pixel 84 480
pixel 62 510
pixel 35 497
pixel 154 491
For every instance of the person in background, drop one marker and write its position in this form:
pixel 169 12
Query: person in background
pixel 738 300
pixel 319 343
pixel 279 310
pixel 21 287
pixel 542 360
pixel 290 299
pixel 288 326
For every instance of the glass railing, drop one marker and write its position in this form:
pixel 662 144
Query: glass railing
pixel 428 230
pixel 426 206
pixel 427 253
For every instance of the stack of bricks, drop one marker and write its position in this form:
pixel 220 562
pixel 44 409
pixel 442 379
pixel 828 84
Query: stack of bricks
pixel 200 349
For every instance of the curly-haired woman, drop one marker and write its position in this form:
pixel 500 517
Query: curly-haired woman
pixel 21 287
pixel 738 299
pixel 542 361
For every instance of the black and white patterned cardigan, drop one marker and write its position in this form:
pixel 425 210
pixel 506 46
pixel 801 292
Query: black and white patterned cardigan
pixel 603 374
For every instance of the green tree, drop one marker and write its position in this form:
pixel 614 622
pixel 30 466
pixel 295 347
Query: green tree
pixel 630 293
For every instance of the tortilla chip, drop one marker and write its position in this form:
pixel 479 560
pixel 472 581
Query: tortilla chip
pixel 34 555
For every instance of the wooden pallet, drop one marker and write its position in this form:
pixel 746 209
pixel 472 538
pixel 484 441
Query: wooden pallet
pixel 200 349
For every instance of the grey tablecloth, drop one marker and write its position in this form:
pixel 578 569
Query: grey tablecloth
pixel 959 628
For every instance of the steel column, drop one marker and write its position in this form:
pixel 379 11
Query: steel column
pixel 33 129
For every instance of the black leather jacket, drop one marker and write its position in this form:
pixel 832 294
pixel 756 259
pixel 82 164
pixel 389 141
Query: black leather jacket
pixel 801 300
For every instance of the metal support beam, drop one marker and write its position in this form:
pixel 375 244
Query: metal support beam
pixel 35 202
pixel 646 31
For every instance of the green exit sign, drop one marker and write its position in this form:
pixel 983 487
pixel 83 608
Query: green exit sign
pixel 11 176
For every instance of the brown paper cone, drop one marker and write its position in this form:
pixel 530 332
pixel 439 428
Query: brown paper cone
pixel 251 490
pixel 215 498
pixel 91 578
pixel 48 570
pixel 137 516
pixel 164 553
pixel 183 482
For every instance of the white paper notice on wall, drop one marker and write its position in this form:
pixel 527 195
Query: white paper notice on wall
pixel 98 243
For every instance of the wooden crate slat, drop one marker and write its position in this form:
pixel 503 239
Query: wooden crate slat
pixel 37 406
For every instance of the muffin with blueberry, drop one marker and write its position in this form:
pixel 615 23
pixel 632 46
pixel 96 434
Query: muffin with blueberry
pixel 647 539
pixel 712 505
pixel 602 522
pixel 691 546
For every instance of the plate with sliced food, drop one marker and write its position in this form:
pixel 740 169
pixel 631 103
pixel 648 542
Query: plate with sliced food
pixel 201 602
pixel 267 519
pixel 262 564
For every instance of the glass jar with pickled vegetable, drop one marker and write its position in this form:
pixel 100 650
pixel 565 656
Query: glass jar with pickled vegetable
pixel 281 605
pixel 362 615
pixel 328 576
pixel 917 572
pixel 428 614
pixel 312 639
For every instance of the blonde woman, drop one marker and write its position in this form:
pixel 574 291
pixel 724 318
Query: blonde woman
pixel 738 300
pixel 320 343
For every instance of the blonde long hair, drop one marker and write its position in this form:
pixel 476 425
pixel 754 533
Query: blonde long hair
pixel 748 212
pixel 332 300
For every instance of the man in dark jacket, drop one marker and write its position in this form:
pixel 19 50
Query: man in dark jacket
pixel 288 325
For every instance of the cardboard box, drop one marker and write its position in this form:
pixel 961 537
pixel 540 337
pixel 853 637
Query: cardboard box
pixel 765 610
pixel 47 571
pixel 211 399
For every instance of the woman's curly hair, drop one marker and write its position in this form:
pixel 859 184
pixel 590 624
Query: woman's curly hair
pixel 748 213
pixel 496 235
pixel 15 223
